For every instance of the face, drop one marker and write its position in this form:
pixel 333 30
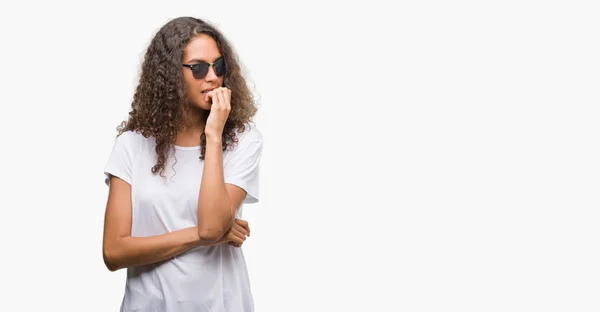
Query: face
pixel 202 48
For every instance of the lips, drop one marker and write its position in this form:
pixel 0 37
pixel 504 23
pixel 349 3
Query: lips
pixel 207 90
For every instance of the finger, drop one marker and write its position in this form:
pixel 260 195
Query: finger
pixel 221 95
pixel 228 98
pixel 234 238
pixel 244 224
pixel 238 234
pixel 241 229
pixel 208 95
pixel 234 244
pixel 214 97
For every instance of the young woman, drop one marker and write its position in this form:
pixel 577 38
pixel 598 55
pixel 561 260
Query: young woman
pixel 181 168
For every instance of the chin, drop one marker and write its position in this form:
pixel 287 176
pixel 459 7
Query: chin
pixel 201 105
pixel 204 106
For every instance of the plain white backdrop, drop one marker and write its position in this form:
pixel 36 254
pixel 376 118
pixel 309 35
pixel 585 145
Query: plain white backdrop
pixel 419 155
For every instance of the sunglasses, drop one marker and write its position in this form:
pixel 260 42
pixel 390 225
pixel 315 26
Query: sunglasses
pixel 200 70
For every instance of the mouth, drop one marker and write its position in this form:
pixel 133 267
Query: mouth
pixel 207 90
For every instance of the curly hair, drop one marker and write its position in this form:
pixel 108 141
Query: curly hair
pixel 160 101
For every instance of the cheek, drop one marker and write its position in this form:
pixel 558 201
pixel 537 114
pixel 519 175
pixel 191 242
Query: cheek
pixel 192 87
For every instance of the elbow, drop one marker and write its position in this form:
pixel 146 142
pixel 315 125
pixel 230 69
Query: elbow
pixel 110 260
pixel 210 235
pixel 112 267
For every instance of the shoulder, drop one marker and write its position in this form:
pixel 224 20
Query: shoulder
pixel 250 134
pixel 130 140
pixel 130 135
pixel 249 142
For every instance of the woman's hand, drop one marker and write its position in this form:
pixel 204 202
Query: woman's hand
pixel 238 233
pixel 219 112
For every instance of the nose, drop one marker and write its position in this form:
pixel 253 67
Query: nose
pixel 210 76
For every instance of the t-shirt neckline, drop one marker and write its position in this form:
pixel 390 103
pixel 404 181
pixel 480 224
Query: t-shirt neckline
pixel 187 148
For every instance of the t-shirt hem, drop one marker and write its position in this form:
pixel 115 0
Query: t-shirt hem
pixel 122 176
pixel 251 197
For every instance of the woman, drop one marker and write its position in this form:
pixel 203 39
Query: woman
pixel 181 167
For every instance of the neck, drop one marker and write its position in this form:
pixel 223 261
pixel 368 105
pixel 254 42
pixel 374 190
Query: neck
pixel 193 121
pixel 191 127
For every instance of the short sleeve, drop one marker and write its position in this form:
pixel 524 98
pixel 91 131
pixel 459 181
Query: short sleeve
pixel 120 161
pixel 242 165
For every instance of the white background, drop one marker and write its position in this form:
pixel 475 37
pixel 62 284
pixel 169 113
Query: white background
pixel 432 156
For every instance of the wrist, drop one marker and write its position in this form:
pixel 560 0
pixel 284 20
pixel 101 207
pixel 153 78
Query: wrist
pixel 213 138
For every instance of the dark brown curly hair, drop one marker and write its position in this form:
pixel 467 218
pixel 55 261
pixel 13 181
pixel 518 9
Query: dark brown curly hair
pixel 160 101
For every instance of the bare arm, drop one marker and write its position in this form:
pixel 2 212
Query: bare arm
pixel 217 202
pixel 121 250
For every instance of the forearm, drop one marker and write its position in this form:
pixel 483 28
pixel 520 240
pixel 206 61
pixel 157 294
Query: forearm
pixel 134 251
pixel 215 212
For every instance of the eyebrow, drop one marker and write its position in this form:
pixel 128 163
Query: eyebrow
pixel 202 61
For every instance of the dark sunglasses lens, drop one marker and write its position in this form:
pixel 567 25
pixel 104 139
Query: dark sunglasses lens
pixel 200 70
pixel 219 67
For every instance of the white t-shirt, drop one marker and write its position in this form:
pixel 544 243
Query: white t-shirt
pixel 202 279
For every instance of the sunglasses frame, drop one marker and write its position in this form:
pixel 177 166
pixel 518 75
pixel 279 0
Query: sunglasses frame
pixel 220 59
